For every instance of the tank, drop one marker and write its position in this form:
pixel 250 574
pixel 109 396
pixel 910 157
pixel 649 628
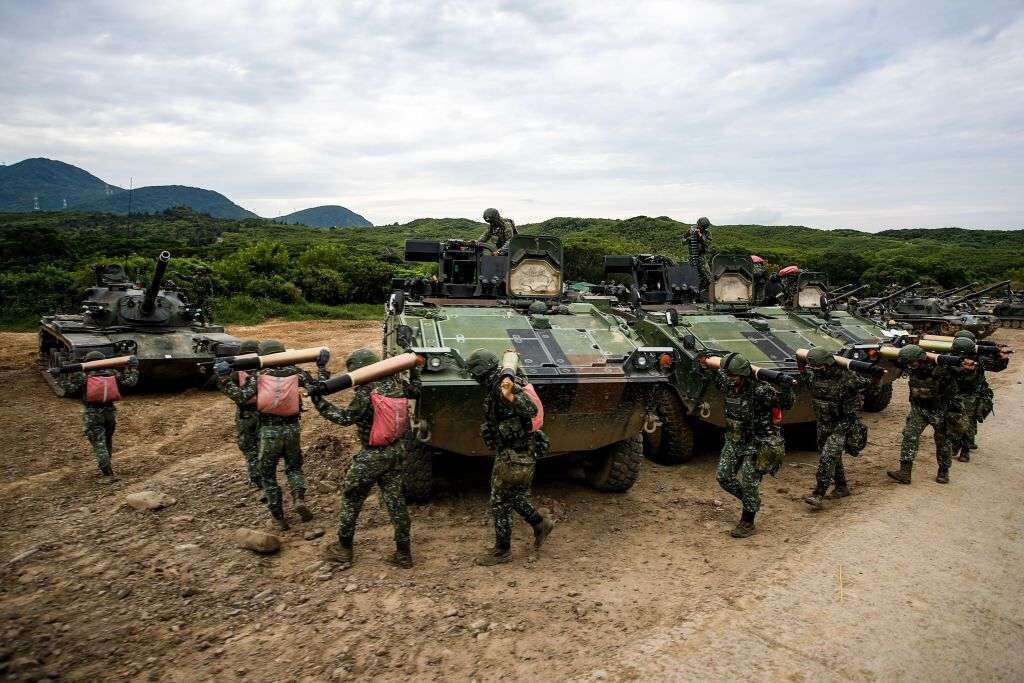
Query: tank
pixel 1011 311
pixel 595 375
pixel 735 319
pixel 119 317
pixel 944 315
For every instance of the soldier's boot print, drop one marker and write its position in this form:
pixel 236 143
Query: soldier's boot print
pixel 942 476
pixel 304 513
pixel 543 527
pixel 402 556
pixel 340 552
pixel 745 528
pixel 495 555
pixel 903 474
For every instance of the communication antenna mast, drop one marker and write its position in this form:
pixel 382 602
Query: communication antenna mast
pixel 65 202
pixel 131 185
pixel 35 202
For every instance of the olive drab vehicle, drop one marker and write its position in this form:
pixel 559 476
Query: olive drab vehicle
pixel 944 315
pixel 1010 312
pixel 119 317
pixel 594 375
pixel 732 321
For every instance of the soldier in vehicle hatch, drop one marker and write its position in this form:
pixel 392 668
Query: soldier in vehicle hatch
pixel 836 393
pixel 753 443
pixel 100 391
pixel 381 458
pixel 508 431
pixel 499 229
pixel 279 426
pixel 698 246
pixel 202 291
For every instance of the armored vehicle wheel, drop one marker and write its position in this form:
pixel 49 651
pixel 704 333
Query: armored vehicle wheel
pixel 876 399
pixel 615 468
pixel 418 473
pixel 672 442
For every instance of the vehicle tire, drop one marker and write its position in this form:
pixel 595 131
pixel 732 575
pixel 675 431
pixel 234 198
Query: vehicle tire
pixel 876 399
pixel 418 473
pixel 615 468
pixel 672 443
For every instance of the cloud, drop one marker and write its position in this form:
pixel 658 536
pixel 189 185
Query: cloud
pixel 832 114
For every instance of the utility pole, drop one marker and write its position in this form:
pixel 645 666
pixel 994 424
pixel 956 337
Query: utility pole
pixel 131 185
pixel 35 202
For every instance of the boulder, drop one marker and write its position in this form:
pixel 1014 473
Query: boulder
pixel 149 500
pixel 257 541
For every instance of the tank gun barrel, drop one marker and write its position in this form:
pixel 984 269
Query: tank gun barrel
pixel 899 292
pixel 974 295
pixel 149 301
pixel 842 288
pixel 957 290
pixel 846 295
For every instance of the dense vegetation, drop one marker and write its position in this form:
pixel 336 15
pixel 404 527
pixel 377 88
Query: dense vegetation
pixel 263 269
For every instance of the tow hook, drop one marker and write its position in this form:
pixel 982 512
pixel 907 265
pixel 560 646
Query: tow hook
pixel 651 423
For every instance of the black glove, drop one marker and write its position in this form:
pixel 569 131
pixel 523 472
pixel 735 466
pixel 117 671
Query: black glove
pixel 323 358
pixel 222 368
pixel 133 362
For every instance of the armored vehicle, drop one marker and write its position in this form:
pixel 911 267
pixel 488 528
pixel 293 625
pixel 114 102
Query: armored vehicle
pixel 595 376
pixel 938 315
pixel 1011 311
pixel 119 317
pixel 733 321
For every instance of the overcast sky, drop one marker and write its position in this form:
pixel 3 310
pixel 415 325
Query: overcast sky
pixel 829 114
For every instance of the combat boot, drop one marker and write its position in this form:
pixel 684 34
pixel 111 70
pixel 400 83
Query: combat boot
pixel 277 516
pixel 903 475
pixel 106 470
pixel 965 454
pixel 340 552
pixel 745 528
pixel 493 556
pixel 814 499
pixel 840 490
pixel 402 556
pixel 943 475
pixel 542 528
pixel 304 513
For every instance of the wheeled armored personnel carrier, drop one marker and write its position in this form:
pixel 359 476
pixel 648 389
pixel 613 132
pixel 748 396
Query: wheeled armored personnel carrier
pixel 119 317
pixel 596 377
pixel 768 336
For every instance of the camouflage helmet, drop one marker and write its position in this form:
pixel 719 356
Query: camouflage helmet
pixel 538 308
pixel 966 334
pixel 962 346
pixel 249 346
pixel 491 214
pixel 481 363
pixel 360 358
pixel 911 353
pixel 735 364
pixel 94 355
pixel 269 346
pixel 703 223
pixel 820 356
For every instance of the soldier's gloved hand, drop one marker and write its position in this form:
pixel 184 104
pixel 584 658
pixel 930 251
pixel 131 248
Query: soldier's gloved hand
pixel 133 362
pixel 222 368
pixel 323 358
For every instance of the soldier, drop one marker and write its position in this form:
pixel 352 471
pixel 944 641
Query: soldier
pixel 931 387
pixel 500 229
pixel 790 278
pixel 836 394
pixel 202 291
pixel 971 389
pixel 100 390
pixel 508 415
pixel 379 462
pixel 279 406
pixel 698 244
pixel 983 403
pixel 750 426
pixel 247 419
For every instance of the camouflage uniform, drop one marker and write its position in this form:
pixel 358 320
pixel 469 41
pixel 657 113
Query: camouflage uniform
pixel 836 399
pixel 380 465
pixel 698 245
pixel 972 391
pixel 202 291
pixel 247 430
pixel 501 230
pixel 279 438
pixel 748 419
pixel 931 390
pixel 99 420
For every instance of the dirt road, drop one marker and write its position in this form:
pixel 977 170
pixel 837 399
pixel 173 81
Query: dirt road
pixel 893 582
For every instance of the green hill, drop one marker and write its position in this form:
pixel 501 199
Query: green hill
pixel 157 198
pixel 51 181
pixel 328 216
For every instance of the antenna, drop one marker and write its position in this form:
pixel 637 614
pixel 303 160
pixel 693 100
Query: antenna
pixel 131 185
pixel 65 202
pixel 35 202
